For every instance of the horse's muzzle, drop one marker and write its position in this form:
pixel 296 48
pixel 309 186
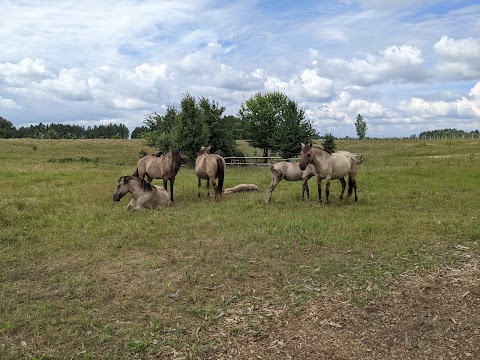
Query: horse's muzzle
pixel 116 197
pixel 302 166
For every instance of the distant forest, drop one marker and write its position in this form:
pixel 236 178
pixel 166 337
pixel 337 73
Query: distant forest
pixel 448 134
pixel 61 131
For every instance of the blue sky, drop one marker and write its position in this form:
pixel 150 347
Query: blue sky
pixel 406 66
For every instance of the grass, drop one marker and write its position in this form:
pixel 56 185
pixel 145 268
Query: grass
pixel 84 278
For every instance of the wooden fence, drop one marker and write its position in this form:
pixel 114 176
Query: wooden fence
pixel 266 161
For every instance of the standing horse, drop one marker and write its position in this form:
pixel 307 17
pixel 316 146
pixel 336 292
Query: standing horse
pixel 210 167
pixel 163 167
pixel 330 166
pixel 290 171
pixel 144 195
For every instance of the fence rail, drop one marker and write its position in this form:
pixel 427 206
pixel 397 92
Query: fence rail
pixel 266 161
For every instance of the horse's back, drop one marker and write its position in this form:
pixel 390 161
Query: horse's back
pixel 291 171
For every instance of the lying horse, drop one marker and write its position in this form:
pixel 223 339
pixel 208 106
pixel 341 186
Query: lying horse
pixel 163 167
pixel 290 171
pixel 330 166
pixel 210 167
pixel 241 188
pixel 144 195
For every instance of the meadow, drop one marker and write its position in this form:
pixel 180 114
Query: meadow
pixel 83 278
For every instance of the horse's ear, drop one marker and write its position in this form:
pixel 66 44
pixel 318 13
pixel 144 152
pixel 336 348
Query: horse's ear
pixel 303 145
pixel 310 144
pixel 208 148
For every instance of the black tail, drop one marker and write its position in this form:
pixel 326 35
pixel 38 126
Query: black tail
pixel 350 185
pixel 220 174
pixel 136 173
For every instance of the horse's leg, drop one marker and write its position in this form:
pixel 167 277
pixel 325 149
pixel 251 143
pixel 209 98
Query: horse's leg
pixel 171 189
pixel 327 190
pixel 199 185
pixel 344 184
pixel 165 186
pixel 271 187
pixel 208 188
pixel 215 188
pixel 305 189
pixel 149 178
pixel 319 186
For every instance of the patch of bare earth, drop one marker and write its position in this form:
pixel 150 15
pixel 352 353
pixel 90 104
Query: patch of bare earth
pixel 433 315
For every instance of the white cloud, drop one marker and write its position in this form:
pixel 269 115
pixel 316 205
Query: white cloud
pixel 458 58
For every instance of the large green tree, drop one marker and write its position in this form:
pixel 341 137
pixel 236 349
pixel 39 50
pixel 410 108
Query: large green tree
pixel 274 122
pixel 7 130
pixel 160 128
pixel 293 130
pixel 190 131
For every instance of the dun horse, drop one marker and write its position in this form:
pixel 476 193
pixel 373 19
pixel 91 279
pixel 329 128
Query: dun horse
pixel 330 166
pixel 144 195
pixel 290 171
pixel 210 167
pixel 163 167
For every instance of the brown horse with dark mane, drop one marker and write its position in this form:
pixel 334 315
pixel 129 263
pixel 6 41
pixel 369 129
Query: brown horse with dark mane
pixel 163 167
pixel 210 167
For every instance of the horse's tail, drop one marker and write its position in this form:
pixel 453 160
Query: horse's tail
pixel 176 160
pixel 220 174
pixel 350 185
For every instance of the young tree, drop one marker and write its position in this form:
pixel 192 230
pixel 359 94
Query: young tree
pixel 329 142
pixel 361 127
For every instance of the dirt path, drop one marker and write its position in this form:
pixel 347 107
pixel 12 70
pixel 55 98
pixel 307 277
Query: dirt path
pixel 434 315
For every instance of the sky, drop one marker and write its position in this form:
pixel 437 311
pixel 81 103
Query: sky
pixel 406 66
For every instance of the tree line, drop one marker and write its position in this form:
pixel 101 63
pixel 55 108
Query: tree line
pixel 63 131
pixel 447 133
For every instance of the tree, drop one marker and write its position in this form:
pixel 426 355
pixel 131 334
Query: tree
pixel 138 132
pixel 190 131
pixel 361 127
pixel 7 130
pixel 292 131
pixel 220 129
pixel 274 122
pixel 160 129
pixel 329 142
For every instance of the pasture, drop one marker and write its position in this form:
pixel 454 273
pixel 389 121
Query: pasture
pixel 83 278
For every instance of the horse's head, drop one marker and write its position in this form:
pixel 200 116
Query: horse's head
pixel 204 150
pixel 122 188
pixel 306 156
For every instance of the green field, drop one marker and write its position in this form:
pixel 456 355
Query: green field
pixel 83 278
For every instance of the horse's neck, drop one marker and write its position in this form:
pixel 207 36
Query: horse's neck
pixel 321 158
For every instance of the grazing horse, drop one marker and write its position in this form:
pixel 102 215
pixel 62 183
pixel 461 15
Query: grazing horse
pixel 163 167
pixel 210 167
pixel 330 166
pixel 290 171
pixel 144 195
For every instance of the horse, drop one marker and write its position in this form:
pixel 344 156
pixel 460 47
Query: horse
pixel 241 188
pixel 144 195
pixel 290 171
pixel 163 167
pixel 330 166
pixel 210 167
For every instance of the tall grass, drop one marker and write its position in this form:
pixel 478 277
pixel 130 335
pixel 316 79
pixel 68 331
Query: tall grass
pixel 82 277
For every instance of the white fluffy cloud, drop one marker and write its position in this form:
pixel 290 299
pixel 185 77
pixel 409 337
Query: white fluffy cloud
pixel 458 58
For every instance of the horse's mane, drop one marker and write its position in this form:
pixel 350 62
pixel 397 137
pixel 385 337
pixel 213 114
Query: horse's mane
pixel 322 148
pixel 176 160
pixel 146 186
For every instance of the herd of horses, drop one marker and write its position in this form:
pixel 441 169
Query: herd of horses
pixel 315 161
